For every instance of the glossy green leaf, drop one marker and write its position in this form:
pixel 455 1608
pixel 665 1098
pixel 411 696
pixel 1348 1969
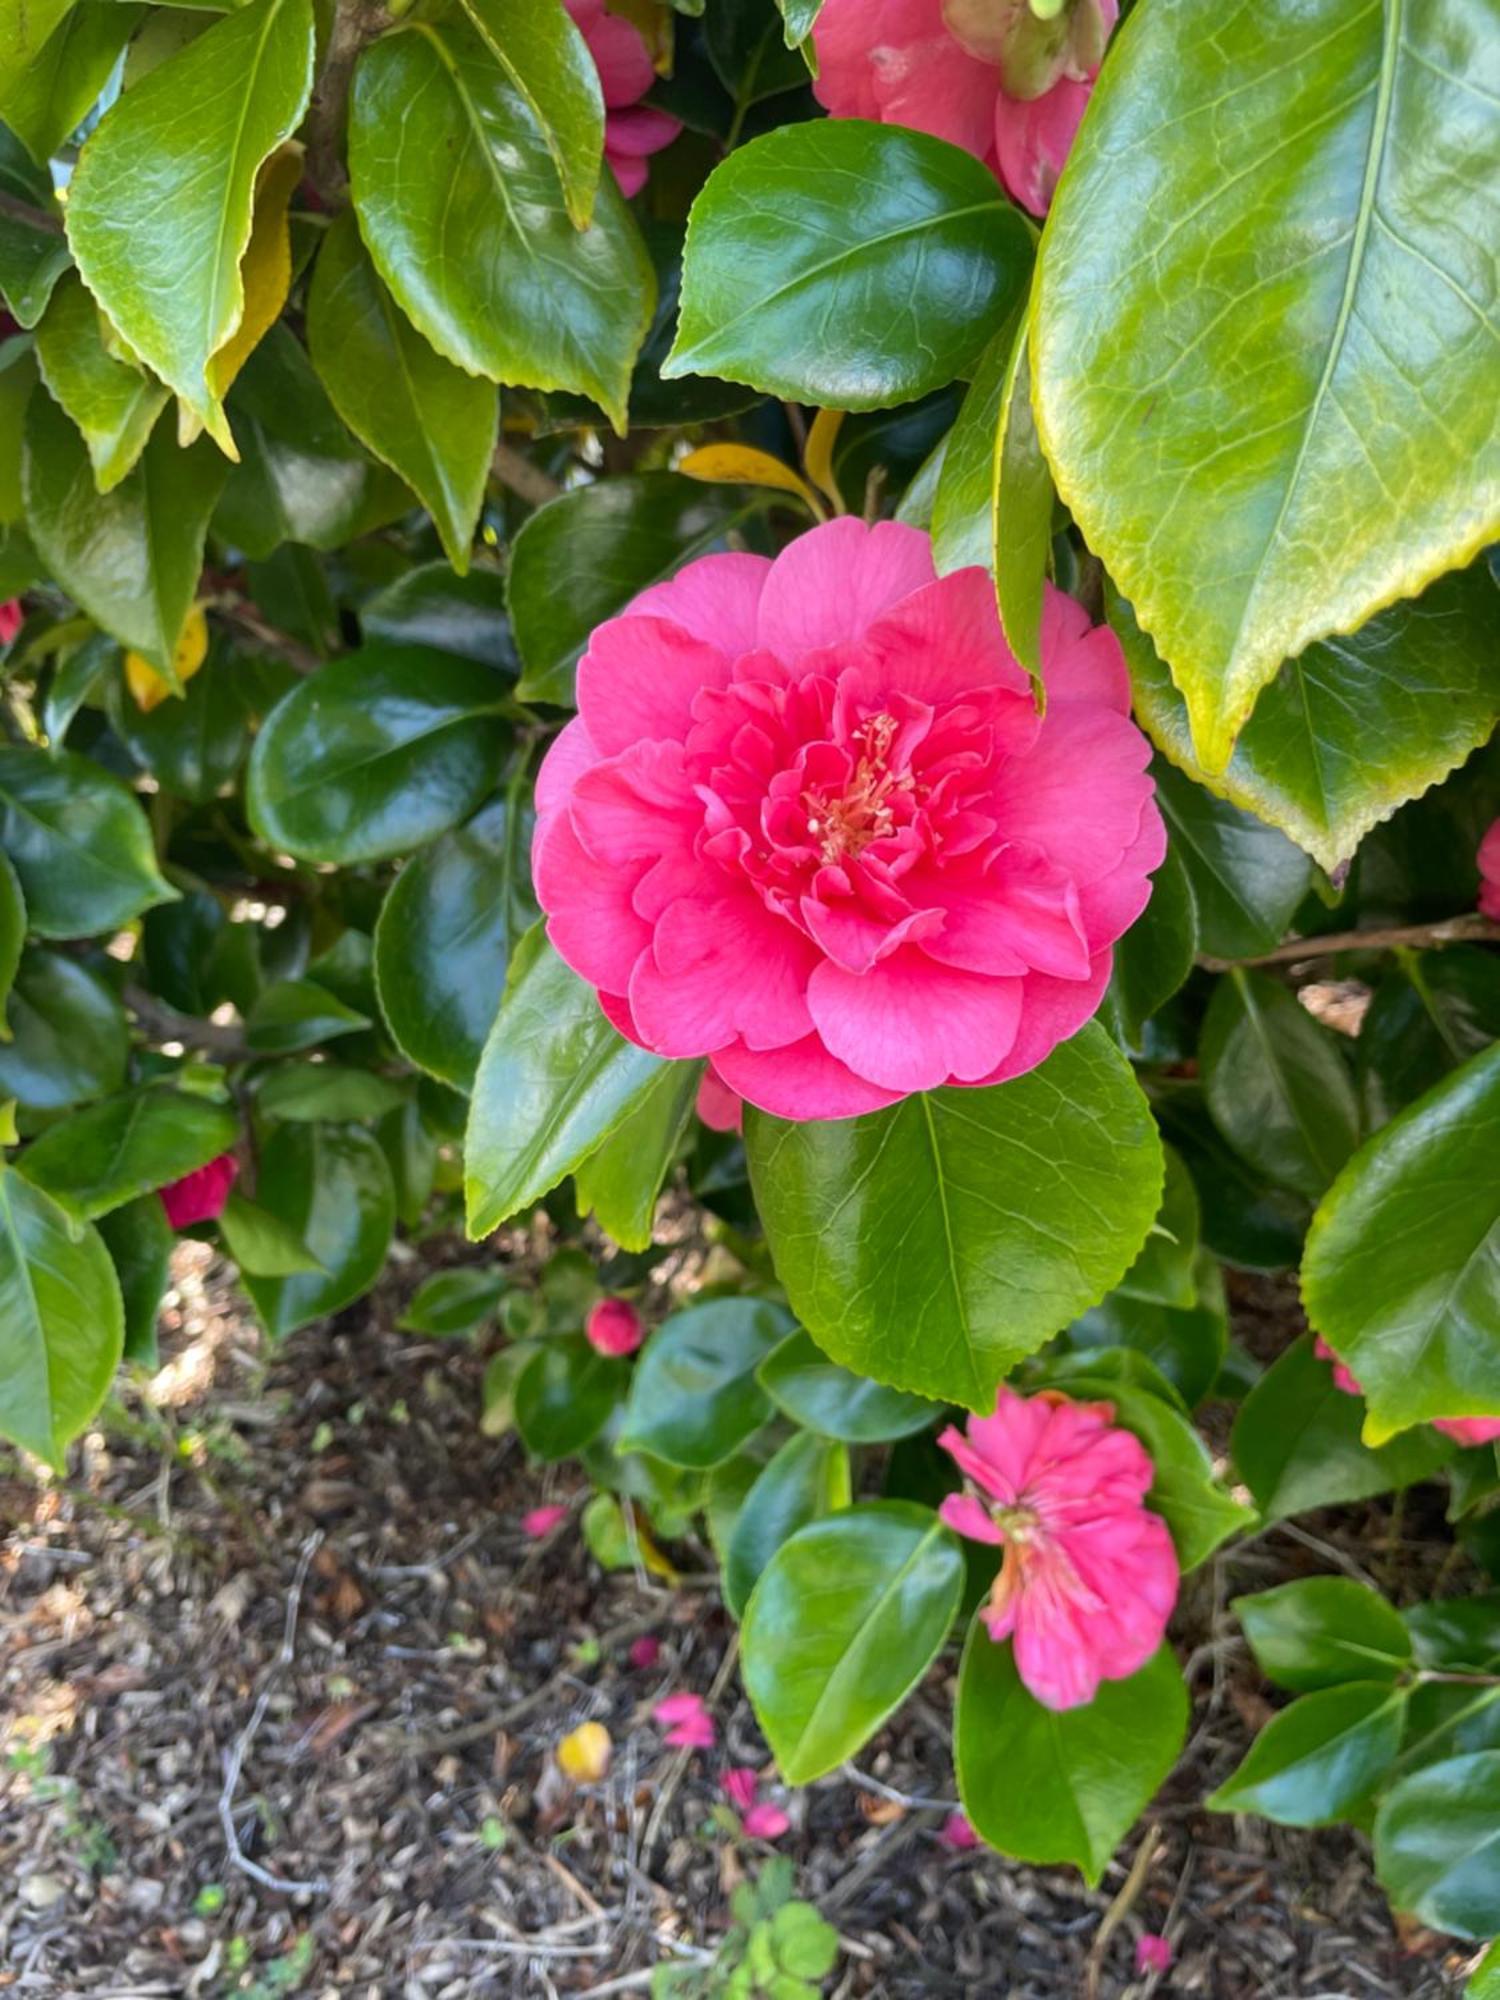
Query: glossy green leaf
pixel 261 1243
pixel 1322 1631
pixel 620 1182
pixel 845 1620
pixel 800 17
pixel 547 59
pixel 816 1393
pixel 556 1078
pixel 1247 878
pixel 1164 1271
pixel 130 557
pixel 114 403
pixel 497 1393
pixel 934 1245
pixel 1432 1010
pixel 581 559
pixel 330 1185
pixel 455 1302
pixel 1187 1343
pixel 1044 1785
pixel 24 32
pixel 807 1479
pixel 746 43
pixel 1155 956
pixel 12 938
pixel 564 1396
pixel 79 842
pixel 160 204
pixel 1402 1269
pixel 1277 1084
pixel 99 1158
pixel 193 744
pixel 847 264
pixel 1245 1219
pixel 1268 416
pixel 1458 1634
pixel 1437 1844
pixel 295 1014
pixel 140 1241
pixel 18 378
pixel 33 249
pixel 1297 1443
pixel 694 1399
pixel 66 1035
pixel 377 753
pixel 310 1091
pixel 431 606
pixel 444 940
pixel 1353 727
pixel 482 257
pixel 1315 1761
pixel 62 1324
pixel 302 478
pixel 426 418
pixel 45 100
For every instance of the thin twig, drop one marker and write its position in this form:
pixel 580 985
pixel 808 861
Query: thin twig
pixel 680 1762
pixel 235 1758
pixel 1452 930
pixel 911 1800
pixel 527 481
pixel 25 211
pixel 235 611
pixel 1119 1909
pixel 165 1024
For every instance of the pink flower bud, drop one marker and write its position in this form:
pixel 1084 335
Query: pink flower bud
pixel 201 1195
pixel 957 1834
pixel 614 1327
pixel 1152 1953
pixel 542 1520
pixel 645 1653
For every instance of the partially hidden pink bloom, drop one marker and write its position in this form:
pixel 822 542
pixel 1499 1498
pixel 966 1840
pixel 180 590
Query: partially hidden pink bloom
pixel 718 1106
pixel 687 1722
pixel 765 1821
pixel 957 1834
pixel 542 1520
pixel 12 617
pixel 740 1786
pixel 808 823
pixel 200 1196
pixel 614 1327
pixel 632 130
pixel 919 63
pixel 1463 1430
pixel 1153 1953
pixel 1489 873
pixel 645 1653
pixel 1089 1575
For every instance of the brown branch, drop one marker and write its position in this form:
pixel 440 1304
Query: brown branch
pixel 235 611
pixel 355 24
pixel 1420 937
pixel 527 481
pixel 25 211
pixel 165 1024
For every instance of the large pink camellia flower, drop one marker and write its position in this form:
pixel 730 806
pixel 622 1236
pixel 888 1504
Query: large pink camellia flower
pixel 1463 1430
pixel 808 823
pixel 986 75
pixel 1489 873
pixel 1089 1576
pixel 632 130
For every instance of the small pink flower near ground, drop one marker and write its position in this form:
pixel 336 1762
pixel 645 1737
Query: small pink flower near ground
pixel 12 617
pixel 1153 1953
pixel 1463 1430
pixel 1489 873
pixel 986 75
pixel 632 130
pixel 614 1327
pixel 645 1653
pixel 687 1722
pixel 200 1196
pixel 807 822
pixel 1089 1575
pixel 542 1520
pixel 957 1834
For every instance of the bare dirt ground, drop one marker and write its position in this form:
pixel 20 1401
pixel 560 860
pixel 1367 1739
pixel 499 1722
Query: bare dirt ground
pixel 282 1679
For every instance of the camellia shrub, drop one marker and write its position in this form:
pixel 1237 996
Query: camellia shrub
pixel 874 615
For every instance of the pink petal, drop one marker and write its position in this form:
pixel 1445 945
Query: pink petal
pixel 1022 916
pixel 1111 905
pixel 895 60
pixel 765 1822
pixel 716 599
pixel 911 1024
pixel 630 172
pixel 572 752
pixel 957 1834
pixel 800 1081
pixel 965 1516
pixel 1469 1430
pixel 620 54
pixel 590 919
pixel 944 640
pixel 1051 1011
pixel 1040 801
pixel 632 809
pixel 1032 140
pixel 1080 661
pixel 720 1108
pixel 740 1786
pixel 1152 1954
pixel 542 1520
pixel 640 131
pixel 638 679
pixel 1489 873
pixel 722 967
pixel 644 1653
pixel 833 582
pixel 200 1196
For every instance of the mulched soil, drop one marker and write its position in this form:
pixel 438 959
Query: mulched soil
pixel 290 1606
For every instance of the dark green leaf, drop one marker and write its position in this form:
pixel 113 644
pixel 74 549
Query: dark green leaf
pixel 1432 1010
pixel 1315 1761
pixel 564 1396
pixel 816 1393
pixel 297 1014
pixel 1156 954
pixel 934 1245
pixel 79 843
pixel 310 1091
pixel 845 1620
pixel 139 1240
pixel 331 1187
pixel 1044 1785
pixel 12 937
pixel 694 1399
pixel 98 1159
pixel 114 403
pixel 808 1478
pixel 261 1243
pixel 621 1181
pixel 1245 1219
pixel 747 44
pixel 454 1302
pixel 33 254
pixel 547 59
pixel 1437 1844
pixel 430 606
pixel 1247 879
pixel 194 743
pixel 1322 1631
pixel 46 100
pixel 67 1041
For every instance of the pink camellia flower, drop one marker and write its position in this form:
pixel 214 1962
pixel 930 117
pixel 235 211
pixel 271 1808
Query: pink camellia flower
pixel 1089 1576
pixel 632 130
pixel 12 617
pixel 542 1520
pixel 687 1722
pixel 1489 873
pixel 740 1786
pixel 200 1196
pixel 1463 1430
pixel 1153 1953
pixel 808 823
pixel 645 1653
pixel 987 75
pixel 614 1327
pixel 957 1834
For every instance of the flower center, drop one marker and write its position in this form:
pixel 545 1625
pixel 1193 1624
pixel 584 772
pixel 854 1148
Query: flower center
pixel 865 810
